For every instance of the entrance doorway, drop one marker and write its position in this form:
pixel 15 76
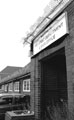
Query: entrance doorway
pixel 54 81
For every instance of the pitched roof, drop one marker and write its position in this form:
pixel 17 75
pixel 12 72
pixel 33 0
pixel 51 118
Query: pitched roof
pixel 8 71
pixel 23 71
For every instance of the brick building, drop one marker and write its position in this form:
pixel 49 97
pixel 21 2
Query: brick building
pixel 17 83
pixel 7 71
pixel 52 62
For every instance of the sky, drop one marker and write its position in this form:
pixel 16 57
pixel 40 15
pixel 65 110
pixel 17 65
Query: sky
pixel 16 18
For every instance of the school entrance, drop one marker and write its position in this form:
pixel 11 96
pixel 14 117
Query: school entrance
pixel 53 81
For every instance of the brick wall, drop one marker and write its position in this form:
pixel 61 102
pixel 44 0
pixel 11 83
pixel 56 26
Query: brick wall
pixel 69 49
pixel 68 43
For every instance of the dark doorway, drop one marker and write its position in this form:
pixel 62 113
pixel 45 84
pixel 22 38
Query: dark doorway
pixel 54 81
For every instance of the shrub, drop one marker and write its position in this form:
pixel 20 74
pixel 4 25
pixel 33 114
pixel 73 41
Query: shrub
pixel 59 113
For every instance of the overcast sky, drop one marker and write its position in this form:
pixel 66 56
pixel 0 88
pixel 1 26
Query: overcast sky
pixel 16 17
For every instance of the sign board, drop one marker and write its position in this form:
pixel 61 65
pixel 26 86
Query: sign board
pixel 51 11
pixel 55 31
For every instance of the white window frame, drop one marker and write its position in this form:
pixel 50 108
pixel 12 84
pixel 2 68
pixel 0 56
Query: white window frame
pixel 3 87
pixel 6 85
pixel 26 81
pixel 15 84
pixel 10 87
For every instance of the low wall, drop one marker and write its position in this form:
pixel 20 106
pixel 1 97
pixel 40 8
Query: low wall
pixel 12 116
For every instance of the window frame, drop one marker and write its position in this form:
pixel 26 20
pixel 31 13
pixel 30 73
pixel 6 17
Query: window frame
pixel 26 85
pixel 6 87
pixel 9 86
pixel 3 87
pixel 15 83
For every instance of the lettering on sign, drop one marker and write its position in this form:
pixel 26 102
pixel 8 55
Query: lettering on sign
pixel 53 9
pixel 55 31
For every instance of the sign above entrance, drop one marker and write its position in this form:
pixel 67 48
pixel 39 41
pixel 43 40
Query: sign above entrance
pixel 55 31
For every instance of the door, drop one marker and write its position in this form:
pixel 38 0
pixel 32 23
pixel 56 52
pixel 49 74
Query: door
pixel 54 83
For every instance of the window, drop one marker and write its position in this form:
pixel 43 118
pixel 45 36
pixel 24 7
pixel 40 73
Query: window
pixel 6 87
pixel 16 86
pixel 10 86
pixel 26 85
pixel 3 87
